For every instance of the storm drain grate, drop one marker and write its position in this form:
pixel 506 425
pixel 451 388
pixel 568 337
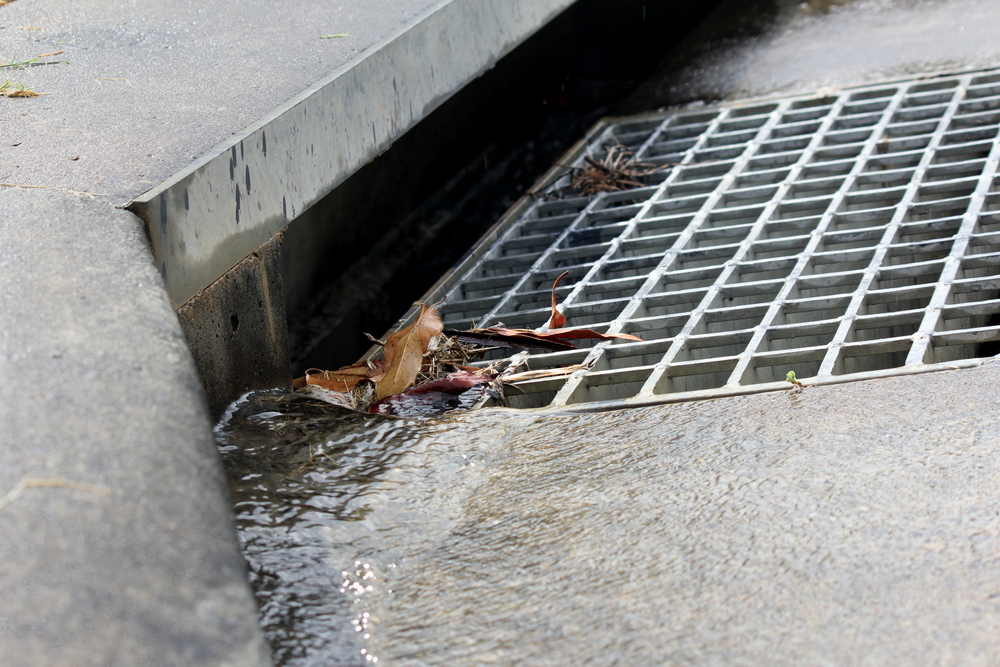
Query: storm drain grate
pixel 842 236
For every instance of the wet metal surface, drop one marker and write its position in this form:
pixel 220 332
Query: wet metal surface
pixel 848 524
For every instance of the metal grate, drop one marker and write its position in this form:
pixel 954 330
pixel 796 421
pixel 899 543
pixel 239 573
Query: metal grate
pixel 842 235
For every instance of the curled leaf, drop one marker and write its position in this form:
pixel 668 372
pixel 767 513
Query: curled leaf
pixel 575 334
pixel 557 319
pixel 518 339
pixel 342 380
pixel 404 352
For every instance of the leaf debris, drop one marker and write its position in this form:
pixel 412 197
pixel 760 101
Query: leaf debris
pixel 11 88
pixel 616 172
pixel 425 368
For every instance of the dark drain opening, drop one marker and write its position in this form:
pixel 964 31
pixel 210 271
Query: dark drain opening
pixel 360 257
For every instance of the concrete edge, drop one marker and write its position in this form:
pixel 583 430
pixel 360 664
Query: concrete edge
pixel 125 551
pixel 207 218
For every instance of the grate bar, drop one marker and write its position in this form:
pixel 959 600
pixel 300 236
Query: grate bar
pixel 818 233
pixel 926 333
pixel 833 356
pixel 668 258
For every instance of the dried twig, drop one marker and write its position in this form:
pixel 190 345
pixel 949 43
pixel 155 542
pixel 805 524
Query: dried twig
pixel 34 62
pixel 30 483
pixel 617 171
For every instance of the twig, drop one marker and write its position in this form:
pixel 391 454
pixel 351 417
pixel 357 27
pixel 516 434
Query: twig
pixel 30 483
pixel 47 187
pixel 25 64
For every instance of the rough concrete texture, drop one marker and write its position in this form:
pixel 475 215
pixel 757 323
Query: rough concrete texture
pixel 236 329
pixel 762 47
pixel 97 388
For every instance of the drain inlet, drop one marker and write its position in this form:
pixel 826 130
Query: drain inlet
pixel 842 236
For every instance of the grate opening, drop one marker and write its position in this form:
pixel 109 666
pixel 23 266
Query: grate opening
pixel 838 236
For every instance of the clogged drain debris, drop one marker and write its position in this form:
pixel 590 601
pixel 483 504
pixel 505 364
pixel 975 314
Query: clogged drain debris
pixel 427 370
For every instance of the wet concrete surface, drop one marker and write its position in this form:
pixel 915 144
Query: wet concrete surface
pixel 848 524
pixel 855 524
pixel 757 48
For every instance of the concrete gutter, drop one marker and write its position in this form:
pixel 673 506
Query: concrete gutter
pixel 118 543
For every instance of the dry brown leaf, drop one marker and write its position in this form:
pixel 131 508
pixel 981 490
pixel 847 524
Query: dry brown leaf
pixel 518 339
pixel 557 319
pixel 18 92
pixel 342 380
pixel 404 352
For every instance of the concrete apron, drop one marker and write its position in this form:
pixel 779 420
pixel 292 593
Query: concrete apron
pixel 215 228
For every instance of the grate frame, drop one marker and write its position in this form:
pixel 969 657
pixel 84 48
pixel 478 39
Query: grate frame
pixel 846 235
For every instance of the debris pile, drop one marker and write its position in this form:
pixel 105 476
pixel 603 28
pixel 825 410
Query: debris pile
pixel 426 369
pixel 616 172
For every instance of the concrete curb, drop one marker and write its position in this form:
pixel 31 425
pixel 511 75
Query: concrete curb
pixel 207 218
pixel 139 566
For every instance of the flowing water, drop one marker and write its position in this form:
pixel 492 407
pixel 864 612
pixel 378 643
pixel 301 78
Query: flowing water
pixel 445 541
pixel 848 524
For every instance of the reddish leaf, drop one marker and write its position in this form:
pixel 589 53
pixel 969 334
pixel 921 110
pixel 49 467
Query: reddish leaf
pixel 574 334
pixel 453 383
pixel 557 319
pixel 404 352
pixel 430 392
